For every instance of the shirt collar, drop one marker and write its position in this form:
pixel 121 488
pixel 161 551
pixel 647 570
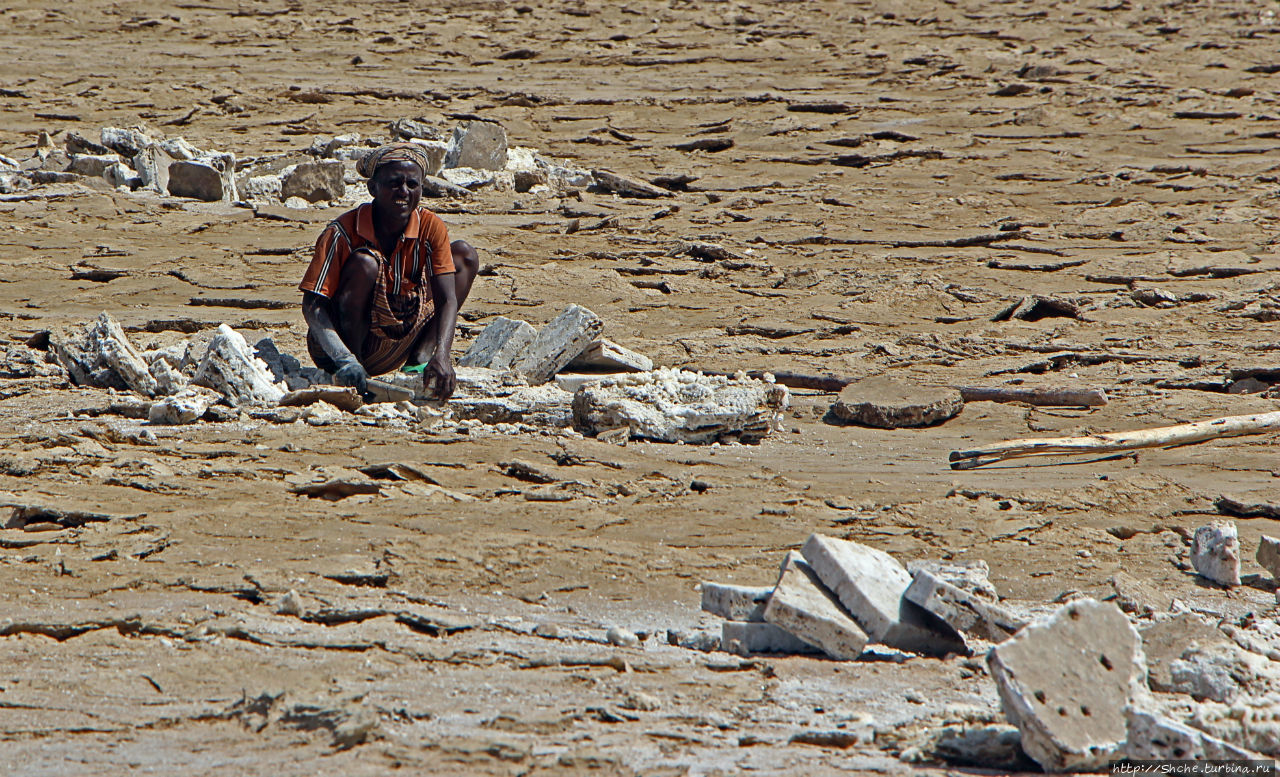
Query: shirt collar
pixel 364 224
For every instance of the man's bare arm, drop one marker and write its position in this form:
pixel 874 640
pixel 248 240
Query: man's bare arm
pixel 444 292
pixel 317 312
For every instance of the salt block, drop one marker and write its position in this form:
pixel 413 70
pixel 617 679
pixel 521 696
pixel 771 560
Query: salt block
pixel 314 181
pixel 571 382
pixel 478 144
pixel 802 606
pixel 669 405
pixel 126 142
pixel 888 404
pixel 1139 598
pixel 557 343
pixel 605 354
pixel 183 408
pixel 1154 737
pixel 230 368
pixel 152 165
pixel 1269 555
pixel 1065 681
pixel 735 602
pixel 1215 552
pixel 92 165
pixel 870 584
pixel 747 638
pixel 199 180
pixel 101 355
pixel 971 576
pixel 961 610
pixel 499 344
pixel 1164 642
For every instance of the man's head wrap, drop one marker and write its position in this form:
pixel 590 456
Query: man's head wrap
pixel 395 152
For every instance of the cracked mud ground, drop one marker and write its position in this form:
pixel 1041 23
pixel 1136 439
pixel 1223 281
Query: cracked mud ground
pixel 900 174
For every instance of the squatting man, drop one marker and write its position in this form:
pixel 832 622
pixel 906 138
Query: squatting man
pixel 385 284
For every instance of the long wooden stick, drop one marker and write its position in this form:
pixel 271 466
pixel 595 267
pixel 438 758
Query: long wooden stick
pixel 1182 434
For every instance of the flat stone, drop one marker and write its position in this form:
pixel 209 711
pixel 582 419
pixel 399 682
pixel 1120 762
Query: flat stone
pixel 608 356
pixel 101 355
pixel 469 178
pixel 198 180
pixel 433 186
pixel 669 405
pixel 1215 552
pixel 1269 555
pixel 735 602
pixel 571 382
pixel 888 404
pixel 76 144
pixel 745 639
pixel 557 343
pixel 152 165
pixel 478 144
pixel 1138 598
pixel 963 611
pixel 314 181
pixel 499 344
pixel 412 129
pixel 1166 641
pixel 183 408
pixel 1153 737
pixel 230 368
pixel 627 187
pixel 870 584
pixel 1065 681
pixel 93 165
pixel 971 576
pixel 801 605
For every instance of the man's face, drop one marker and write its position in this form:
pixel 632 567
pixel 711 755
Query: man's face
pixel 396 188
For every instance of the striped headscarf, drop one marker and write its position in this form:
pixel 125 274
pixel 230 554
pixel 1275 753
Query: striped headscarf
pixel 394 152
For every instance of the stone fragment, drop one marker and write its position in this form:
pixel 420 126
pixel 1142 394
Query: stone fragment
pixel 230 368
pixel 1252 723
pixel 314 182
pixel 77 145
pixel 963 611
pixel 433 186
pixel 198 180
pixel 745 639
pixel 669 405
pixel 571 382
pixel 1222 672
pixel 283 366
pixel 341 397
pixel 1138 598
pixel 92 165
pixel 735 602
pixel 525 180
pixel 1269 555
pixel 126 142
pixel 152 165
pixel 994 746
pixel 263 187
pixel 411 129
pixel 179 148
pixel 607 355
pixel 469 178
pixel 1152 737
pixel 885 403
pixel 557 343
pixel 121 174
pixel 802 606
pixel 1215 552
pixel 621 637
pixel 21 361
pixel 183 408
pixel 478 144
pixel 169 380
pixel 13 182
pixel 970 576
pixel 627 187
pixel 870 584
pixel 499 344
pixel 1166 641
pixel 705 640
pixel 101 355
pixel 1065 681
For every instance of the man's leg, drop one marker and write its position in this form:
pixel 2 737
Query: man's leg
pixel 355 298
pixel 466 263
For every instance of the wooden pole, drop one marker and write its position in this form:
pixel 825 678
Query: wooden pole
pixel 1182 434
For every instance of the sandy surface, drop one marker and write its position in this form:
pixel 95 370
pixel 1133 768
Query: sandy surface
pixel 1114 148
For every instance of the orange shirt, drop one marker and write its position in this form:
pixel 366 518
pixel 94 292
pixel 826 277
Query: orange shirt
pixel 425 243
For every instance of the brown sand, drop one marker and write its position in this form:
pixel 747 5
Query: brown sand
pixel 1121 146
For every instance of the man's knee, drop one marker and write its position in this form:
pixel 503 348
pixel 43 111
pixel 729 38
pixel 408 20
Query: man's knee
pixel 465 257
pixel 360 268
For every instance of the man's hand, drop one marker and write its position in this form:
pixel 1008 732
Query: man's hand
pixel 439 371
pixel 351 373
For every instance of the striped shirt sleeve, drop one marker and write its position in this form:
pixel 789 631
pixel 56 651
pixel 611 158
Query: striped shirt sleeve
pixel 438 235
pixel 332 249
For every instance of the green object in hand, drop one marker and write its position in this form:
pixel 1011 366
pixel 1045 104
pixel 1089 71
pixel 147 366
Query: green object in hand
pixel 415 369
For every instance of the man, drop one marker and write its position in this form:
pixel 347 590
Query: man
pixel 384 286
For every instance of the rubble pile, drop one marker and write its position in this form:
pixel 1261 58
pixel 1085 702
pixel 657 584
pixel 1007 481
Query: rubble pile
pixel 510 381
pixel 475 156
pixel 1075 682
